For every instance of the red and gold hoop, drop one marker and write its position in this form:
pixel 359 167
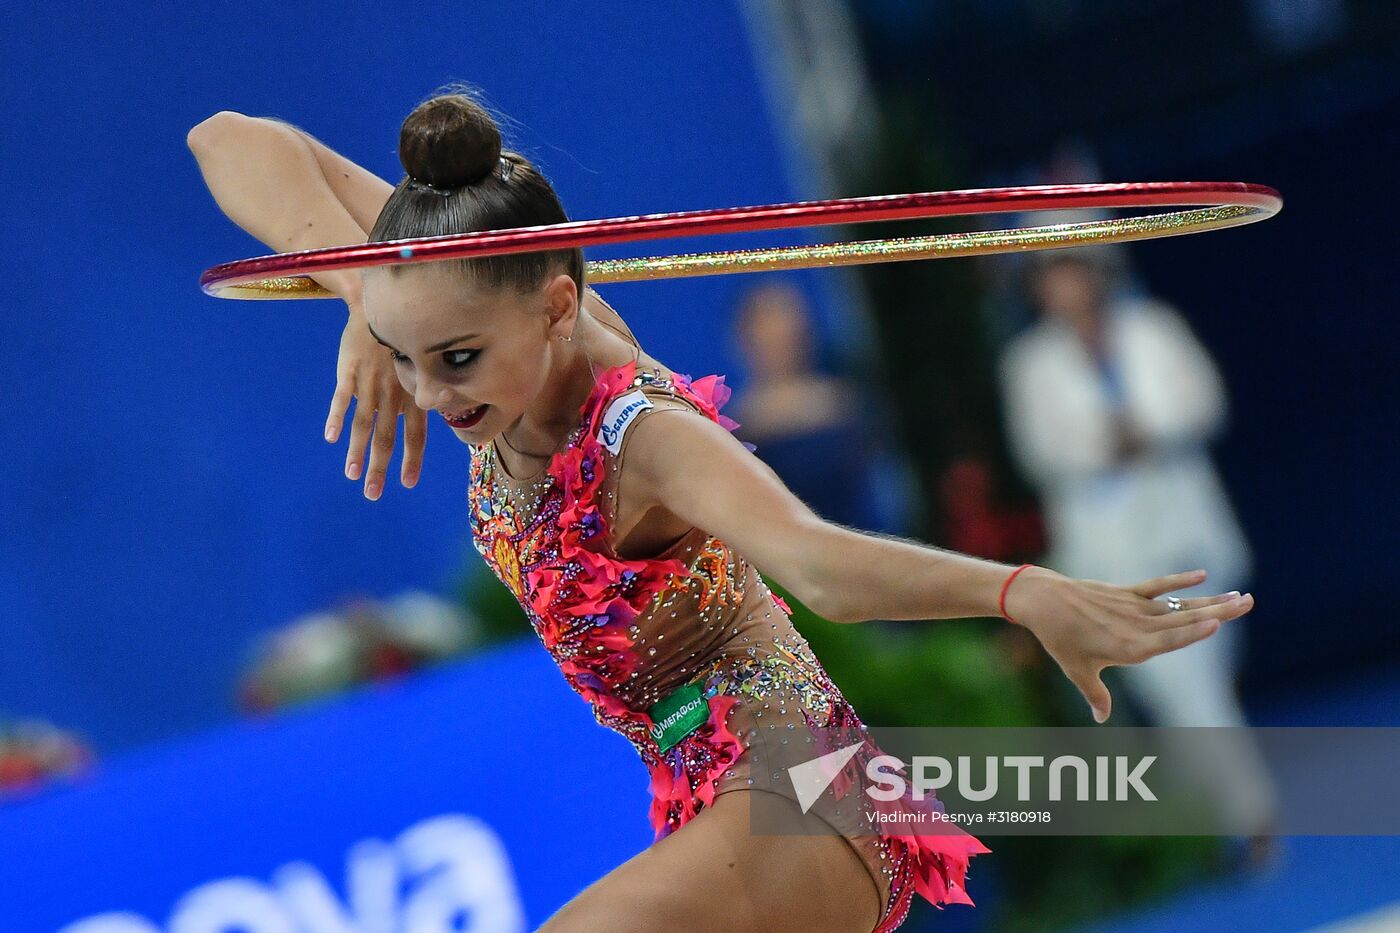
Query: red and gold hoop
pixel 1205 206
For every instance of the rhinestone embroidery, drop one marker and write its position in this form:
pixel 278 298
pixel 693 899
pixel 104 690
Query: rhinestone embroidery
pixel 626 633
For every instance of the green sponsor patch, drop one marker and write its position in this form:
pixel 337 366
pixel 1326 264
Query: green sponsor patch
pixel 678 715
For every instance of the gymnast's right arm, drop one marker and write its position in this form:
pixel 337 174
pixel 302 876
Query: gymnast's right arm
pixel 267 178
pixel 292 193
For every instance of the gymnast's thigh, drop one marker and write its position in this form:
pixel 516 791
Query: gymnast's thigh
pixel 712 874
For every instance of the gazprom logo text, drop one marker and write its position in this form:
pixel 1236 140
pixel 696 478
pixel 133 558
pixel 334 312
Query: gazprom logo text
pixel 619 416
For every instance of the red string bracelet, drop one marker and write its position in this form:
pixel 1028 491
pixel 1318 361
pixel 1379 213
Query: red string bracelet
pixel 1001 601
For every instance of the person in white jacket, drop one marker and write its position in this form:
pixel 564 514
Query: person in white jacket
pixel 1111 401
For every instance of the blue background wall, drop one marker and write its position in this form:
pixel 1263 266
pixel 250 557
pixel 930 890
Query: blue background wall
pixel 167 492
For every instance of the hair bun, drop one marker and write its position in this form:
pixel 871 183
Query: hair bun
pixel 449 141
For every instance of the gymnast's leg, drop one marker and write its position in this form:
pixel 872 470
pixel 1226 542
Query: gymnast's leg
pixel 713 875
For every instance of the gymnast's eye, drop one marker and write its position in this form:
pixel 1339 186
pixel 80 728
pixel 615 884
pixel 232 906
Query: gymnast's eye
pixel 454 358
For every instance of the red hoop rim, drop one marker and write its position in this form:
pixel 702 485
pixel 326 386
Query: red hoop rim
pixel 584 233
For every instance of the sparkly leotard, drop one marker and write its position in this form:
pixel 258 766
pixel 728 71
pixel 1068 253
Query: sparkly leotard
pixel 627 633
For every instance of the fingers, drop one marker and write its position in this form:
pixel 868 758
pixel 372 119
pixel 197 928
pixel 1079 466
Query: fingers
pixel 1222 608
pixel 1191 625
pixel 1100 701
pixel 415 435
pixel 360 427
pixel 374 427
pixel 1201 602
pixel 366 374
pixel 386 430
pixel 1166 617
pixel 1163 585
pixel 340 401
pixel 1181 636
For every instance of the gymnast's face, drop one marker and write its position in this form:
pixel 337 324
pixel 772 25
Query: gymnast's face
pixel 477 354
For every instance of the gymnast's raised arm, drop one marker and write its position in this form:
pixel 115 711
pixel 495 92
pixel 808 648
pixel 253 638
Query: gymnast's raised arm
pixel 692 466
pixel 288 189
pixel 293 193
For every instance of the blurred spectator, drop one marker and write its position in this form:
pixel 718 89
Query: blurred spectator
pixel 1111 401
pixel 820 433
pixel 329 652
pixel 34 753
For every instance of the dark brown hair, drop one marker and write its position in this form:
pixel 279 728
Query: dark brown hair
pixel 460 181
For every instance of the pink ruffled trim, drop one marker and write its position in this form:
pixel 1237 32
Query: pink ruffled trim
pixel 589 599
pixel 940 863
pixel 674 796
pixel 594 606
pixel 711 393
pixel 937 859
pixel 937 856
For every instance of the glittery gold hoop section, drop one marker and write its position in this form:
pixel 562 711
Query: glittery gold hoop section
pixel 1213 205
pixel 864 252
pixel 937 246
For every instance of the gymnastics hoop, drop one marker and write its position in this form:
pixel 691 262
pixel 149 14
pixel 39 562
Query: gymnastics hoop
pixel 1214 206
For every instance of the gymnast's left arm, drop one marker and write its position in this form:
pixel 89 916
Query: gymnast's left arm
pixel 696 469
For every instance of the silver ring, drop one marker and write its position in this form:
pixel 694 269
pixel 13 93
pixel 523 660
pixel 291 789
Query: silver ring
pixel 1174 603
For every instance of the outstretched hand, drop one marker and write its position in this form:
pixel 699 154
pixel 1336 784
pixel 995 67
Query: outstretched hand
pixel 365 372
pixel 1086 625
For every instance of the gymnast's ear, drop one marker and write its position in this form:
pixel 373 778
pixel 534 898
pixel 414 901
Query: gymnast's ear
pixel 561 301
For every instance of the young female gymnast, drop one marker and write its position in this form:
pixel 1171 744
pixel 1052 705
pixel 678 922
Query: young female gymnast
pixel 632 539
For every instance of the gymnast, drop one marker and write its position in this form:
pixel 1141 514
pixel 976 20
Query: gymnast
pixel 608 493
